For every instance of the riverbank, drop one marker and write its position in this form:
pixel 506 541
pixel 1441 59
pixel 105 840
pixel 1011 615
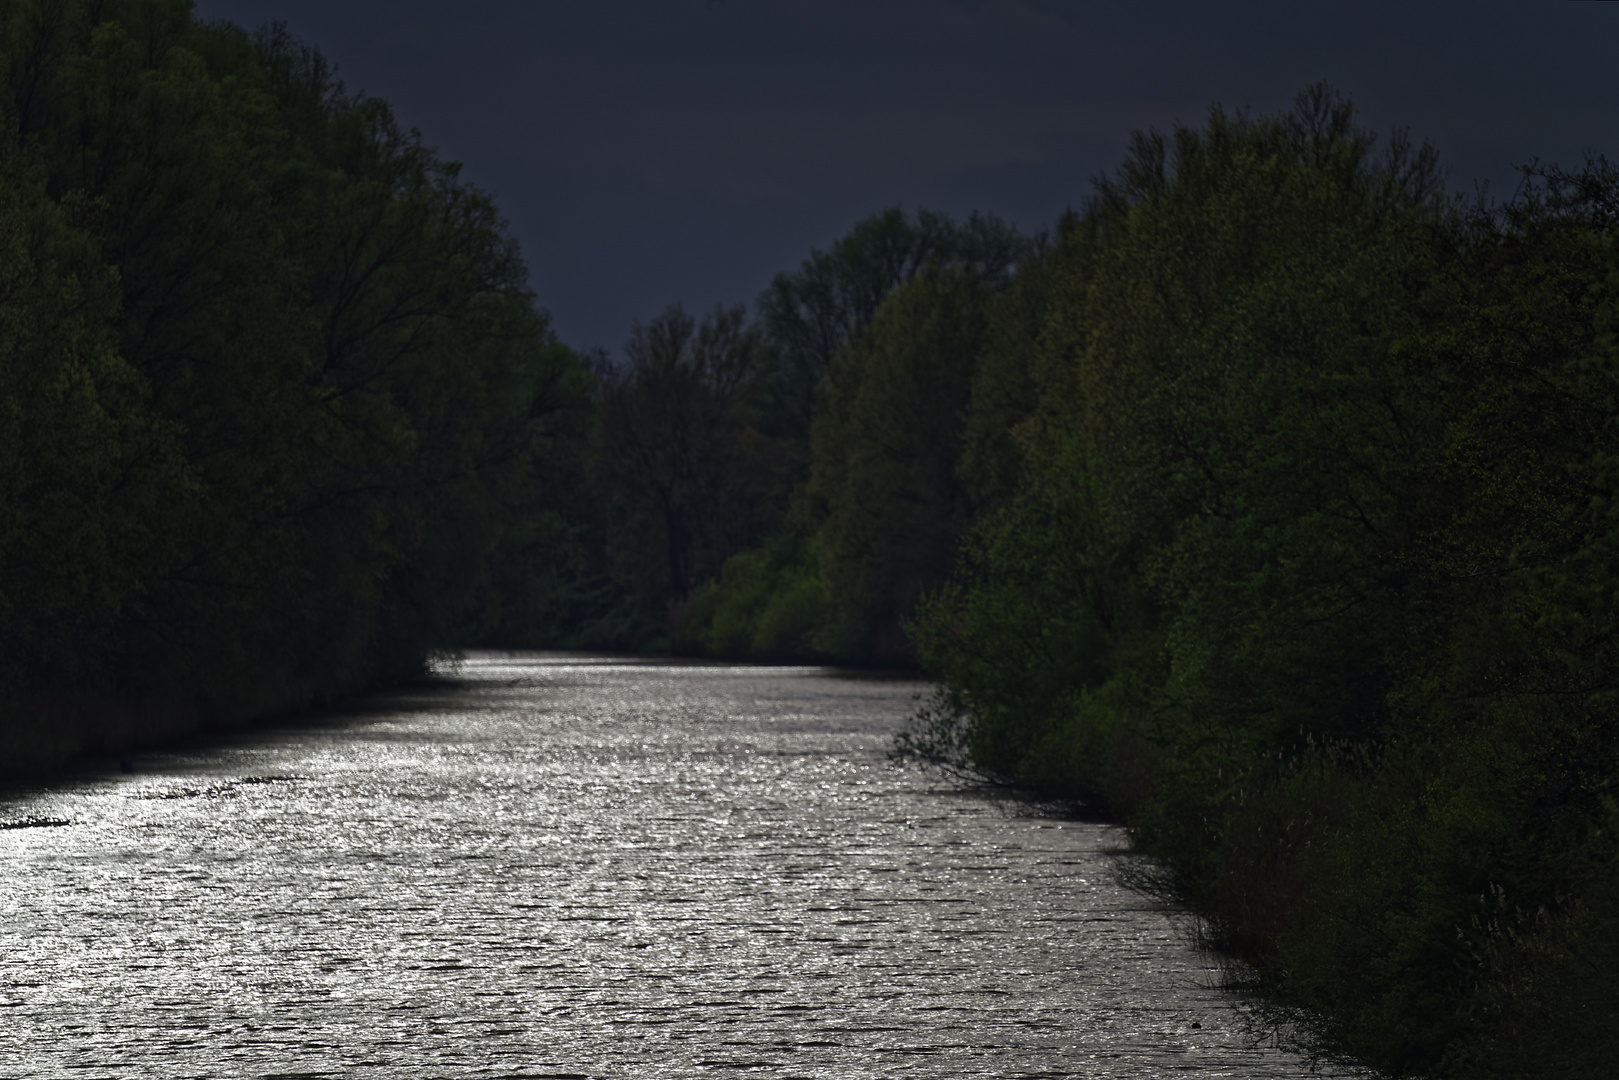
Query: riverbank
pixel 44 731
pixel 1378 910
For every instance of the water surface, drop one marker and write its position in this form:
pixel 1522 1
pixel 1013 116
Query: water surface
pixel 563 866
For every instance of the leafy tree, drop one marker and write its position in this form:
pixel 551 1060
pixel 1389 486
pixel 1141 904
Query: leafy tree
pixel 886 443
pixel 1046 609
pixel 994 466
pixel 339 424
pixel 1341 452
pixel 681 474
pixel 86 468
pixel 809 318
pixel 811 314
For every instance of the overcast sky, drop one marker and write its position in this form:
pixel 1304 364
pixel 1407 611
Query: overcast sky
pixel 653 151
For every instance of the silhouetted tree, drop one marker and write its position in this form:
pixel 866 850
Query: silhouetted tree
pixel 672 457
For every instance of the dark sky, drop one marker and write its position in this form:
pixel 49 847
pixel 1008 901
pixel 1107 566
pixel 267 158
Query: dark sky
pixel 653 151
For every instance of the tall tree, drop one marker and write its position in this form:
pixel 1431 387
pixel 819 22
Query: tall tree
pixel 887 444
pixel 88 471
pixel 810 314
pixel 305 330
pixel 673 455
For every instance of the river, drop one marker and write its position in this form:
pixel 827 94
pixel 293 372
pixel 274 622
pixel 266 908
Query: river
pixel 561 866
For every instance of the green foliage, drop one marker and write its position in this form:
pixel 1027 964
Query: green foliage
pixel 994 468
pixel 870 333
pixel 768 604
pixel 810 315
pixel 1294 545
pixel 309 425
pixel 1031 632
pixel 884 487
pixel 681 477
pixel 86 467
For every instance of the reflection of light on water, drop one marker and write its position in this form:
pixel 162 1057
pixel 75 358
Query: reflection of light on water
pixel 597 865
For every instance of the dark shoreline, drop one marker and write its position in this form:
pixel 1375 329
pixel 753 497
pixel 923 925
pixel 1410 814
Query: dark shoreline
pixel 57 732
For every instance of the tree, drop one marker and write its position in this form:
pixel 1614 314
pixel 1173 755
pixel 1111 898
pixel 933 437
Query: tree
pixel 887 441
pixel 811 314
pixel 298 359
pixel 672 457
pixel 87 469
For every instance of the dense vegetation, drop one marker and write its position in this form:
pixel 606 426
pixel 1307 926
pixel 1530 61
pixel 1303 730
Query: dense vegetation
pixel 1271 503
pixel 278 415
pixel 1301 560
pixel 742 498
pixel 1270 506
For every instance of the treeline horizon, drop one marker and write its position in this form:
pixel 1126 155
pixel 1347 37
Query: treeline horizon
pixel 1266 502
pixel 712 507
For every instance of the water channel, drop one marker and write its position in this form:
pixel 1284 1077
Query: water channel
pixel 558 866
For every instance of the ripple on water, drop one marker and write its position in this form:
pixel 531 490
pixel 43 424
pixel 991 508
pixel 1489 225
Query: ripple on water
pixel 574 867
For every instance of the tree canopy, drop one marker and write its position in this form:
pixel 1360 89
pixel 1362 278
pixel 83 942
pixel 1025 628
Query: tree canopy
pixel 304 412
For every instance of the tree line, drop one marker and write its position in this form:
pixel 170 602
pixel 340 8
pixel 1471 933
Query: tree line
pixel 715 482
pixel 279 416
pixel 1266 502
